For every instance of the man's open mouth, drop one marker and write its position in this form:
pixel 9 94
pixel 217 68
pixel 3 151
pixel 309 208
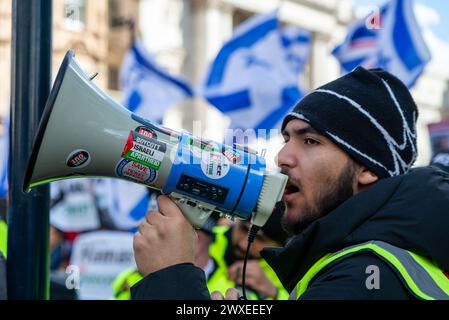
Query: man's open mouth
pixel 290 188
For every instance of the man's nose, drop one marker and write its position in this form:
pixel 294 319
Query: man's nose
pixel 285 158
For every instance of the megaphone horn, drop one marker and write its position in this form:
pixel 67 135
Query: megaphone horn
pixel 84 133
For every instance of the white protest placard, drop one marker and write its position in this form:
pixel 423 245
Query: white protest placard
pixel 100 256
pixel 75 209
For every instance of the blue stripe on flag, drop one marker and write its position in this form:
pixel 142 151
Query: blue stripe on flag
pixel 363 33
pixel 302 38
pixel 286 41
pixel 231 102
pixel 134 101
pixel 139 211
pixel 336 51
pixel 402 40
pixel 290 96
pixel 144 62
pixel 246 40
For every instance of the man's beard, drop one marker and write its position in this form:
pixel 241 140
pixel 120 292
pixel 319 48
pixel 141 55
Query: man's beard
pixel 330 196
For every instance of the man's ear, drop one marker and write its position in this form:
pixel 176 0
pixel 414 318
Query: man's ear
pixel 366 177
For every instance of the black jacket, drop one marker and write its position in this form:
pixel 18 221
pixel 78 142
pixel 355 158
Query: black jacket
pixel 410 211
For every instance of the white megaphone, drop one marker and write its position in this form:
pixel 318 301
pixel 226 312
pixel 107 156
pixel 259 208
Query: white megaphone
pixel 84 133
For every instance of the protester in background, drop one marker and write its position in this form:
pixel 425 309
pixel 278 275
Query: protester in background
pixel 125 280
pixel 3 227
pixel 228 251
pixel 3 247
pixel 3 237
pixel 60 249
pixel 220 253
pixel 3 287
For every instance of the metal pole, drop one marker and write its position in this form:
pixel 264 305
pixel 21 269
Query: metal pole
pixel 28 218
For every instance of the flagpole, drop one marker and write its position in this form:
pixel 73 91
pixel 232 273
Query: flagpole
pixel 28 214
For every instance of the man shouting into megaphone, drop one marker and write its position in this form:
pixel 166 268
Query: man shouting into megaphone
pixel 352 202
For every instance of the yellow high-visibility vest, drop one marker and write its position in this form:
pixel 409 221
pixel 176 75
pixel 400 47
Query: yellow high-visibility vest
pixel 123 282
pixel 218 280
pixel 3 237
pixel 423 278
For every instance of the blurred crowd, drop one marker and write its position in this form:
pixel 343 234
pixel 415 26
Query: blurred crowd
pixel 91 253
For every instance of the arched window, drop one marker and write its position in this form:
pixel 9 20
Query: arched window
pixel 75 14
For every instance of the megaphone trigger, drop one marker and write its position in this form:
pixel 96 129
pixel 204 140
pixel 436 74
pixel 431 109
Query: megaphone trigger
pixel 196 213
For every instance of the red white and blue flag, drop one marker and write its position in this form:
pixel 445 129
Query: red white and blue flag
pixel 392 42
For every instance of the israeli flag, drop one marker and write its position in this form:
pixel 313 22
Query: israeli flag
pixel 126 202
pixel 254 77
pixel 4 154
pixel 148 89
pixel 395 45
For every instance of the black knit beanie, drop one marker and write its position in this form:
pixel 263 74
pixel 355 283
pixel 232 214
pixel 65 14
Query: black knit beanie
pixel 370 114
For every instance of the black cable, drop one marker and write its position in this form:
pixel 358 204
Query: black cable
pixel 251 236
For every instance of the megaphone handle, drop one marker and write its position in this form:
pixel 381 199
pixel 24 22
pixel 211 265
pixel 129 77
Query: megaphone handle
pixel 195 212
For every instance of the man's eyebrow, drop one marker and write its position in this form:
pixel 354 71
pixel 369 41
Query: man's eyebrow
pixel 301 131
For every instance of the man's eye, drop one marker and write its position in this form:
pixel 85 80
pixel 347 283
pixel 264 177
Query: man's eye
pixel 310 141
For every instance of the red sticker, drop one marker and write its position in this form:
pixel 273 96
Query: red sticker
pixel 129 144
pixel 78 158
pixel 146 132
